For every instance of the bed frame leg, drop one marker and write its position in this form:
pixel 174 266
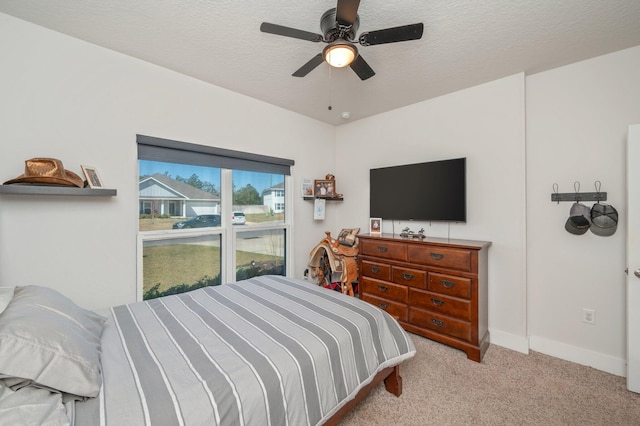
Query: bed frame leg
pixel 393 382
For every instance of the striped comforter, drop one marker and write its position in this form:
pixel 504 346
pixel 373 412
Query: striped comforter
pixel 266 351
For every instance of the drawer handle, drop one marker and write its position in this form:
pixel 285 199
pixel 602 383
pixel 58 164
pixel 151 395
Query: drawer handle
pixel 437 302
pixel 437 256
pixel 382 249
pixel 447 284
pixel 375 269
pixel 383 305
pixel 407 277
pixel 383 288
pixel 437 322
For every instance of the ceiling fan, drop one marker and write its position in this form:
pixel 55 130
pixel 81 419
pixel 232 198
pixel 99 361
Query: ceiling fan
pixel 339 26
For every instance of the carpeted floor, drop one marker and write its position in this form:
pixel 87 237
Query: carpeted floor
pixel 442 387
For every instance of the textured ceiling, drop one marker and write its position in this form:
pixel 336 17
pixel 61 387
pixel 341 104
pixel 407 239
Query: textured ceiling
pixel 465 42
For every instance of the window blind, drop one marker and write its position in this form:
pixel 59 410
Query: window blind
pixel 170 151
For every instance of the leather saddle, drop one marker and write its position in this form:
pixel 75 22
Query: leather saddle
pixel 329 257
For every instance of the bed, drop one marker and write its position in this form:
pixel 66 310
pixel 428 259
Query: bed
pixel 266 351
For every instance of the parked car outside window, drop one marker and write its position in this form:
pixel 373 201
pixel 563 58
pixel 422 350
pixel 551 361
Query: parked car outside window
pixel 201 221
pixel 238 218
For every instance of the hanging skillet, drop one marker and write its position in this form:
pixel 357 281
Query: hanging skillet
pixel 339 26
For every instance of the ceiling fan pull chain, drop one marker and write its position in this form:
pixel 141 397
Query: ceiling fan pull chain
pixel 330 88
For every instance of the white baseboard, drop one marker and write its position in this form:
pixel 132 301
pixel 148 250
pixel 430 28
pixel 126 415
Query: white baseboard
pixel 509 341
pixel 578 355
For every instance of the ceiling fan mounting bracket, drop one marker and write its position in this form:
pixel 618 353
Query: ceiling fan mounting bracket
pixel 334 30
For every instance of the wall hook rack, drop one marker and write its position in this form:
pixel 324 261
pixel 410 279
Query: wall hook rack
pixel 578 196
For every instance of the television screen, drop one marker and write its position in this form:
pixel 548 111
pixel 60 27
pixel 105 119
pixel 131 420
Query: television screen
pixel 432 191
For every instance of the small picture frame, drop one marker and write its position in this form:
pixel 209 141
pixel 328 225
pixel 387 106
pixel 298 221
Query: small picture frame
pixel 375 225
pixel 91 174
pixel 307 188
pixel 324 188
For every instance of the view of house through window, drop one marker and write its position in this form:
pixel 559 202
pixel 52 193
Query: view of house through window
pixel 186 225
pixel 178 196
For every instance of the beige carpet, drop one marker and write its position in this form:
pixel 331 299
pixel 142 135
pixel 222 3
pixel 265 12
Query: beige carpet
pixel 442 387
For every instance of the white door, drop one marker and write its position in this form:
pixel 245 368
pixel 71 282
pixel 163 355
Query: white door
pixel 633 259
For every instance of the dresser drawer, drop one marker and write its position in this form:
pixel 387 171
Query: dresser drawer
pixel 384 249
pixel 385 290
pixel 376 270
pixel 397 310
pixel 440 303
pixel 440 323
pixel 410 277
pixel 450 258
pixel 449 284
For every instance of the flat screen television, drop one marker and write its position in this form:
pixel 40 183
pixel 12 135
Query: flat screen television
pixel 432 191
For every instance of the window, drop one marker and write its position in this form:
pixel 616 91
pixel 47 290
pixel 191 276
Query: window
pixel 172 195
pixel 208 216
pixel 260 253
pixel 176 265
pixel 252 194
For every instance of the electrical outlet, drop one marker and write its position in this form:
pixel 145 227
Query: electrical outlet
pixel 589 316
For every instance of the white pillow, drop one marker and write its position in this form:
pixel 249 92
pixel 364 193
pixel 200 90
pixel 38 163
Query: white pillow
pixel 47 340
pixel 6 294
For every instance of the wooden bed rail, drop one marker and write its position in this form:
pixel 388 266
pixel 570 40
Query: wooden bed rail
pixel 392 382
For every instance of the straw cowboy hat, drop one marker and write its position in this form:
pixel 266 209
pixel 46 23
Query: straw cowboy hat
pixel 48 171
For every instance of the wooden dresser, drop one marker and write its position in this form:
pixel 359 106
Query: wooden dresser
pixel 435 287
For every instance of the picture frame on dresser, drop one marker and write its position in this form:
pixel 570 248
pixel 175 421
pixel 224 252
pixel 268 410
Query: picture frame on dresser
pixel 375 225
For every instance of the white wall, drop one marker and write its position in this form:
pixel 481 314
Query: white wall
pixel 485 124
pixel 71 100
pixel 577 118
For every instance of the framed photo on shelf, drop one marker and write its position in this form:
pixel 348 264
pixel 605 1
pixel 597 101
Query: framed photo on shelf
pixel 375 225
pixel 307 188
pixel 324 188
pixel 91 174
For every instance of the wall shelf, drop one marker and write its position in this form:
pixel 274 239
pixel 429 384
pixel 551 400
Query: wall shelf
pixel 324 198
pixel 56 190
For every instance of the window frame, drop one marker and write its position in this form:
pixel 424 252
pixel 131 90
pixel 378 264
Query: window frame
pixel 228 233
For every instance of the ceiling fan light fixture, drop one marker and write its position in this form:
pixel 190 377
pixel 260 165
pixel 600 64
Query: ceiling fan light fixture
pixel 340 54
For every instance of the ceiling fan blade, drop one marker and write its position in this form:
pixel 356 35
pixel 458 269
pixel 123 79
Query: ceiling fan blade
pixel 346 11
pixel 362 68
pixel 309 66
pixel 266 27
pixel 392 35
